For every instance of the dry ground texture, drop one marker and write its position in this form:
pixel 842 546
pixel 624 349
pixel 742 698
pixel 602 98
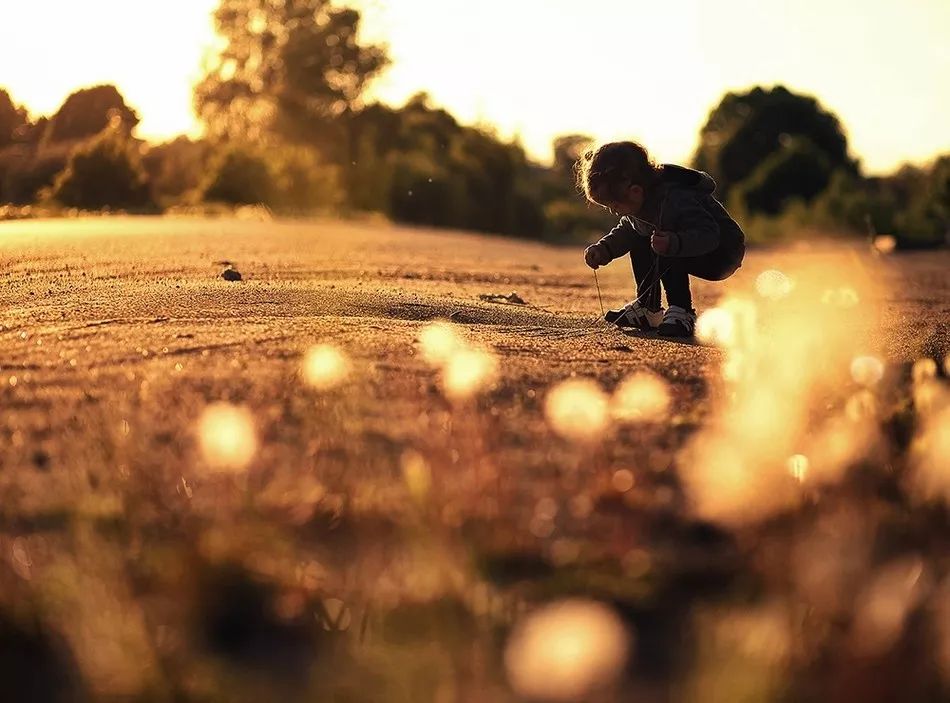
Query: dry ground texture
pixel 427 512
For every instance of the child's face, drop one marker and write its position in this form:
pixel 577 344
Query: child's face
pixel 629 205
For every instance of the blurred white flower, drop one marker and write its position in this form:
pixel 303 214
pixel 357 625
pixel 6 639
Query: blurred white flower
pixel 773 284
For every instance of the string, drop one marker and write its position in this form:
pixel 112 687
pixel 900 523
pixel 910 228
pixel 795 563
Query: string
pixel 599 296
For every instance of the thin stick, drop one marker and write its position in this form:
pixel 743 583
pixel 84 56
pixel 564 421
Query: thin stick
pixel 599 296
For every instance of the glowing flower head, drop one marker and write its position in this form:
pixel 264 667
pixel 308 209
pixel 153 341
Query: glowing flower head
pixel 773 284
pixel 716 326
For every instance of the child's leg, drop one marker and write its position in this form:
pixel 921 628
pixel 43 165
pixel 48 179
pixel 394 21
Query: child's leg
pixel 646 271
pixel 676 283
pixel 717 265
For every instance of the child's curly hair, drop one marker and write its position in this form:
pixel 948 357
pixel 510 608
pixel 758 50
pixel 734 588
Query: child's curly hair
pixel 602 173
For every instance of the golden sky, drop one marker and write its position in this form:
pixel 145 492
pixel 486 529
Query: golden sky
pixel 650 70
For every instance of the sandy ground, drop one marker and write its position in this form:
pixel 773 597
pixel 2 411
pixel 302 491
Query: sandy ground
pixel 112 320
pixel 116 333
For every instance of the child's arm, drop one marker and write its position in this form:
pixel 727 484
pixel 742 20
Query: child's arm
pixel 693 230
pixel 619 240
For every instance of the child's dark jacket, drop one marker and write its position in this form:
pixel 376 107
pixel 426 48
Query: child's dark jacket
pixel 680 202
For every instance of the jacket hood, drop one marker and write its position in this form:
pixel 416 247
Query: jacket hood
pixel 681 177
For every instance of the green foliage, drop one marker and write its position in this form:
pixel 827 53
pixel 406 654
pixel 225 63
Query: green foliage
pixel 88 112
pixel 287 69
pixel 745 129
pixel 239 176
pixel 796 170
pixel 106 172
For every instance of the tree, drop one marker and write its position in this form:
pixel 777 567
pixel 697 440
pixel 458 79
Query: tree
pixel 796 170
pixel 288 68
pixel 745 129
pixel 89 111
pixel 13 120
pixel 106 172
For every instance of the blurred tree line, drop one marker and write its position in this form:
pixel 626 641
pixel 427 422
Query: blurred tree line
pixel 287 126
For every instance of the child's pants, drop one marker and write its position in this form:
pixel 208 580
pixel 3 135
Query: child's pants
pixel 674 272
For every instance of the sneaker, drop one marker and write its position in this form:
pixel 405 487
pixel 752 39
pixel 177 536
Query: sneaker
pixel 677 322
pixel 635 316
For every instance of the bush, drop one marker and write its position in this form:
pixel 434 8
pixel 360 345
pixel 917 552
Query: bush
pixel 25 171
pixel 175 169
pixel 304 183
pixel 240 176
pixel 106 172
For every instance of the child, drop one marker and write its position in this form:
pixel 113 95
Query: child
pixel 670 224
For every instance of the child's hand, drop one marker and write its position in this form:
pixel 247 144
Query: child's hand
pixel 596 255
pixel 660 241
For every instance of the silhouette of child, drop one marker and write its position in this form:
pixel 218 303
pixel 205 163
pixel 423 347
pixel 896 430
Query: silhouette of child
pixel 670 224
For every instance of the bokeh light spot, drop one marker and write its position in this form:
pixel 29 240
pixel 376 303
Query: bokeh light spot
pixel 716 326
pixel 577 409
pixel 467 372
pixel 798 467
pixel 438 342
pixel 885 243
pixel 567 651
pixel 623 480
pixel 867 370
pixel 325 366
pixel 227 437
pixel 642 397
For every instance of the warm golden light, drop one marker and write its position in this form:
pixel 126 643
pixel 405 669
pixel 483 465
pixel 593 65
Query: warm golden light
pixel 784 370
pixel 324 367
pixel 567 651
pixel 227 437
pixel 641 397
pixel 798 467
pixel 577 409
pixel 885 243
pixel 438 342
pixel 867 370
pixel 716 326
pixel 773 284
pixel 469 371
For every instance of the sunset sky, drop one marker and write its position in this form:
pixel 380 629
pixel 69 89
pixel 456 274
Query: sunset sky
pixel 539 68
